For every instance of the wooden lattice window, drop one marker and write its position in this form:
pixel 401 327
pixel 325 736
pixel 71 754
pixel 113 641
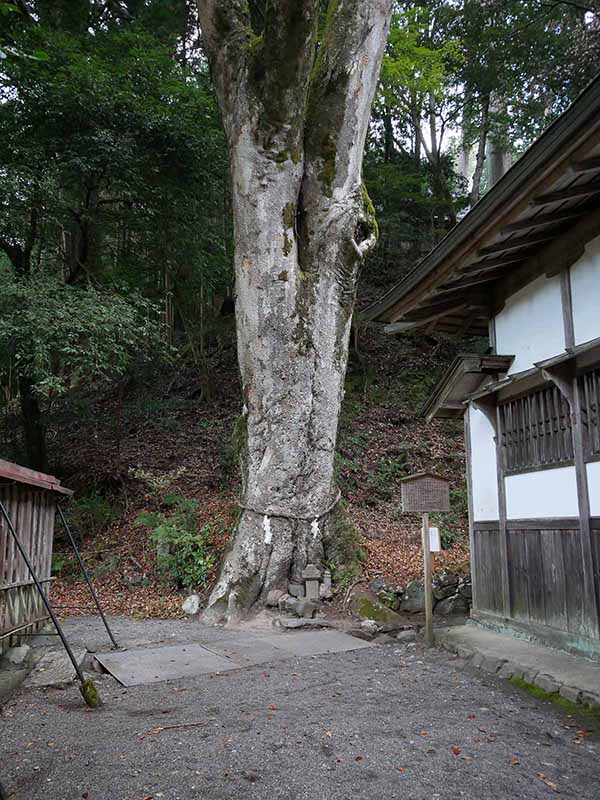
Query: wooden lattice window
pixel 536 431
pixel 589 392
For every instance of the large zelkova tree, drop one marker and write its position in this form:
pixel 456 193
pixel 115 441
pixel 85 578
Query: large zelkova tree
pixel 296 82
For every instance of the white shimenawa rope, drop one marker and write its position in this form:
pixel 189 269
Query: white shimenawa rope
pixel 312 518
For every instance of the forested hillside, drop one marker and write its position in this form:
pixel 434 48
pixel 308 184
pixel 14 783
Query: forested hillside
pixel 118 360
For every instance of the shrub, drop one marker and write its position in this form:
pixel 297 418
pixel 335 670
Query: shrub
pixel 183 553
pixel 91 514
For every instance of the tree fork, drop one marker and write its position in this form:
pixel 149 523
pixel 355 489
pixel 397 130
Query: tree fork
pixel 295 96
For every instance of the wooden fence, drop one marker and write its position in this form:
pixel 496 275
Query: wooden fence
pixel 31 506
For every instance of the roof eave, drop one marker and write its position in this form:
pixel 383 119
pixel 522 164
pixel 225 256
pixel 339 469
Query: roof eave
pixel 535 162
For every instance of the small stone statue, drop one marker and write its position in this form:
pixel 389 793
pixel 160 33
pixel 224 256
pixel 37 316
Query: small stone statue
pixel 311 576
pixel 325 592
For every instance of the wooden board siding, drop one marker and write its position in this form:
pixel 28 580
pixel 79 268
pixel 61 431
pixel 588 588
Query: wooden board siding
pixel 487 572
pixel 596 554
pixel 32 513
pixel 546 577
pixel 545 573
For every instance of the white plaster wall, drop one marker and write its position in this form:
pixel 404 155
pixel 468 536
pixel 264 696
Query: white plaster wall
pixel 593 476
pixel 585 293
pixel 484 478
pixel 530 326
pixel 547 493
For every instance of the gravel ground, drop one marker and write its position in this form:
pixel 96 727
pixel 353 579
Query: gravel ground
pixel 384 722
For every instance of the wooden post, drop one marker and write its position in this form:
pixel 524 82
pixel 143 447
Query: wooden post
pixel 427 581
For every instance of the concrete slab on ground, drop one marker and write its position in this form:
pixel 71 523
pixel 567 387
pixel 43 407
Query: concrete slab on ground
pixel 54 669
pixel 574 677
pixel 246 651
pixel 313 643
pixel 154 664
pixel 142 666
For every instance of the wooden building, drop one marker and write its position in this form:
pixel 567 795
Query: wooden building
pixel 30 499
pixel 523 268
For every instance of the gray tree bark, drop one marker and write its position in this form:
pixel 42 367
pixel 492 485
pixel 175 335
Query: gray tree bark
pixel 296 98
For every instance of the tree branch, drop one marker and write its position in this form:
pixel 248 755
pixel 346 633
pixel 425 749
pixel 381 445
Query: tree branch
pixel 570 3
pixel 342 88
pixel 226 30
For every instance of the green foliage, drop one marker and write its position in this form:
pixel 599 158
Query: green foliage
pixel 416 65
pixel 417 385
pixel 114 196
pixel 344 553
pixel 387 473
pixel 63 336
pixel 390 599
pixel 91 513
pixel 59 560
pixel 183 552
pixel 456 79
pixel 158 483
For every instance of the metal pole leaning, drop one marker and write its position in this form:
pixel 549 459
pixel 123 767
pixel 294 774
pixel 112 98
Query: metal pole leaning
pixel 88 580
pixel 88 690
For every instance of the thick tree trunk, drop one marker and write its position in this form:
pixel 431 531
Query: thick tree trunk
pixel 33 426
pixel 302 225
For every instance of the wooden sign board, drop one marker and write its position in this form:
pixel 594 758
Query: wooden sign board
pixel 425 492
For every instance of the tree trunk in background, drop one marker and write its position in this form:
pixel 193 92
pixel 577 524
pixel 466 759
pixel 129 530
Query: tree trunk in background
pixel 388 133
pixel 296 126
pixel 498 157
pixel 33 428
pixel 481 150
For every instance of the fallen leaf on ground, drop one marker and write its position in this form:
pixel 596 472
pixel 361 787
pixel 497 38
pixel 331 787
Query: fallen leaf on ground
pixel 515 762
pixel 580 736
pixel 550 784
pixel 456 750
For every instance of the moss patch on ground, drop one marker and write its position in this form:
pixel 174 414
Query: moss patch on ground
pixel 554 697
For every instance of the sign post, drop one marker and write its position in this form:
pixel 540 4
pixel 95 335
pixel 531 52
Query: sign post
pixel 423 493
pixel 427 580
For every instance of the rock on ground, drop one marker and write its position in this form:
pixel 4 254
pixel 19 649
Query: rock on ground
pixel 368 607
pixel 17 657
pixel 191 604
pixel 413 600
